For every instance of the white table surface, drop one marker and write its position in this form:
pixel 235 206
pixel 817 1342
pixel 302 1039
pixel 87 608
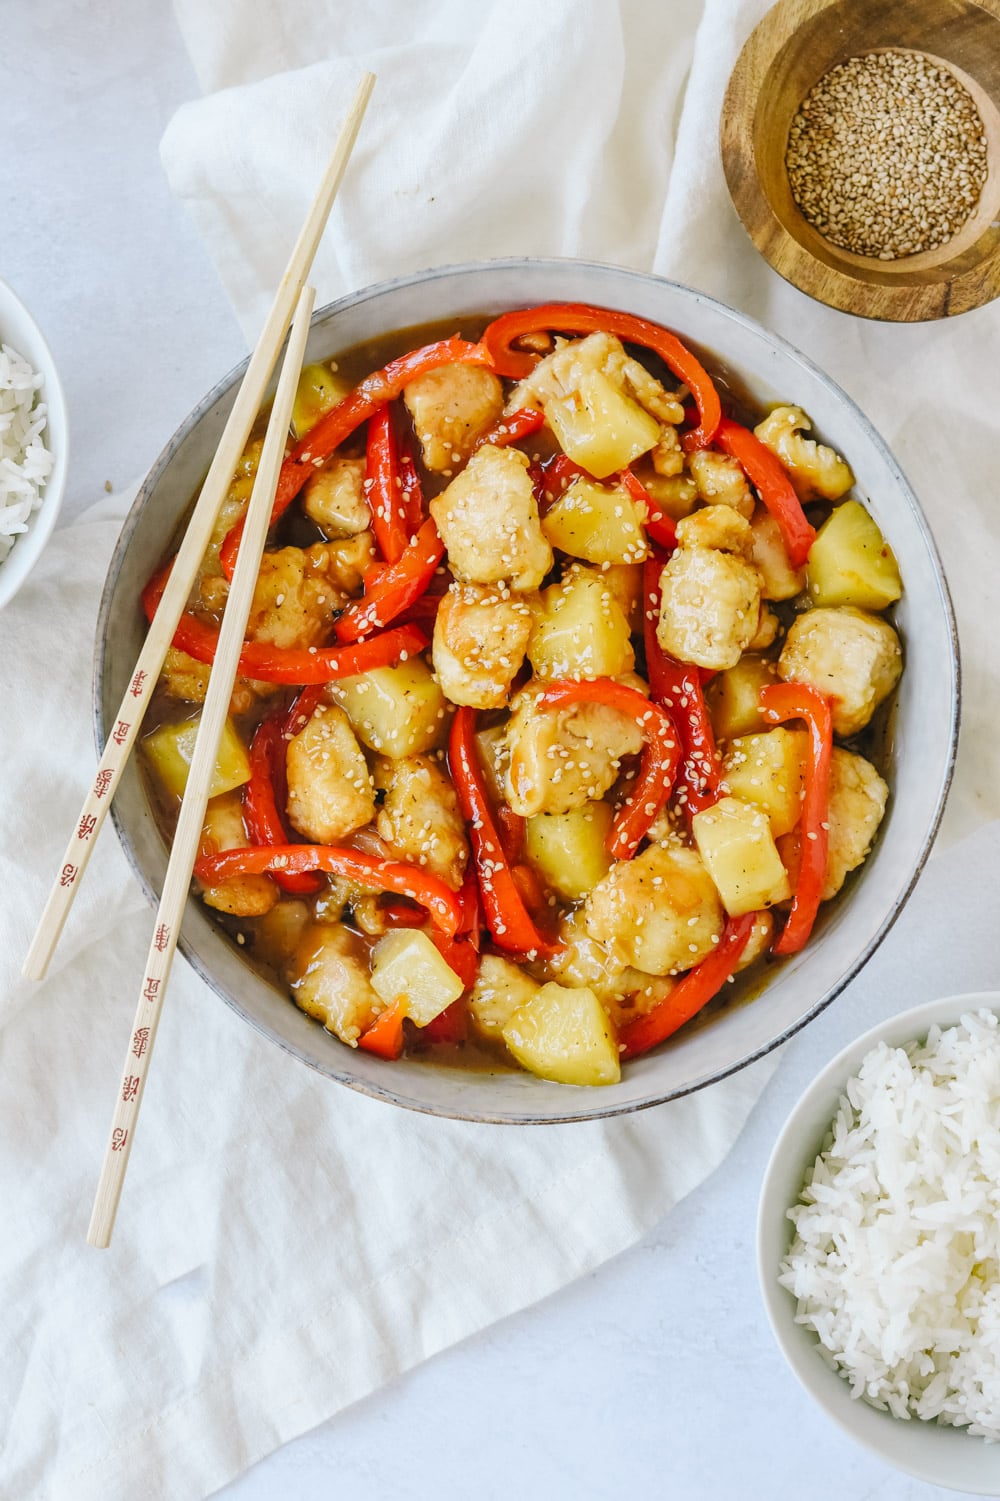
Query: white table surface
pixel 656 1376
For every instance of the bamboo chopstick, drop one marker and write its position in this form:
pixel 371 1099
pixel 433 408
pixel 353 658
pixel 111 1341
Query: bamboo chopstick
pixel 196 539
pixel 187 837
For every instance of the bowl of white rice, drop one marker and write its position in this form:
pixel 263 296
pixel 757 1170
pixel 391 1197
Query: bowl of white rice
pixel 34 443
pixel 878 1241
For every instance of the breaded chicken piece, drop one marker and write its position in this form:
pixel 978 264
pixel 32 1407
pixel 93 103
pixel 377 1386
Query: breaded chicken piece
pixel 344 561
pixel 334 498
pixel 588 963
pixel 667 456
pixel 500 988
pixel 779 580
pixel 330 792
pixel 294 602
pixel 480 638
pixel 858 796
pixel 852 657
pixel 420 818
pixel 185 678
pixel 709 592
pixel 660 908
pixel 560 758
pixel 720 480
pixel 488 520
pixel 240 896
pixel 558 375
pixel 817 472
pixel 452 408
pixel 329 980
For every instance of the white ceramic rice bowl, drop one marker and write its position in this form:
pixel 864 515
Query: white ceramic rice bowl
pixel 925 727
pixel 19 329
pixel 937 1453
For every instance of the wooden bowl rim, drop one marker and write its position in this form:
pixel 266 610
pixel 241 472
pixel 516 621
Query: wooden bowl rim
pixel 836 286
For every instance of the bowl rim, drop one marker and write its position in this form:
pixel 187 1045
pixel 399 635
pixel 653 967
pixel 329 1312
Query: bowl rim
pixel 31 544
pixel 386 1091
pixel 801 1354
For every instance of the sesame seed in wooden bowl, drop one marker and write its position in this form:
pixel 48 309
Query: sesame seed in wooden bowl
pixel 861 145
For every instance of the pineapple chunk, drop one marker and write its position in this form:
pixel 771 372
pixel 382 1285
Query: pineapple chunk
pixel 597 523
pixel 398 711
pixel 500 988
pixel 625 582
pixel 850 562
pixel 735 841
pixel 317 393
pixel 171 747
pixel 568 849
pixel 580 630
pixel 677 494
pixel 768 771
pixel 733 697
pixel 599 427
pixel 564 1035
pixel 407 967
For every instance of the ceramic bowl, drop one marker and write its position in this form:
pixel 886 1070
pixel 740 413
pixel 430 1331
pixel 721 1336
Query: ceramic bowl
pixel 938 1454
pixel 923 734
pixel 19 329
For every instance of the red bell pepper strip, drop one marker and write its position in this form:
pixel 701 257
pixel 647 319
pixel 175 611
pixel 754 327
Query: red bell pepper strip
pixel 770 479
pixel 520 424
pixel 661 527
pixel 382 386
pixel 401 915
pixel 660 756
pixel 578 318
pixel 303 709
pixel 384 1037
pixel 468 897
pixel 511 828
pixel 693 992
pixel 394 588
pixel 555 476
pixel 778 702
pixel 276 664
pixel 367 870
pixel 265 794
pixel 507 918
pixel 413 490
pixel 383 487
pixel 529 884
pixel 448 1027
pixel 677 686
pixel 459 955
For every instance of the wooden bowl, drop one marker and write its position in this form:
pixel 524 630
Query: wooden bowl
pixel 794 45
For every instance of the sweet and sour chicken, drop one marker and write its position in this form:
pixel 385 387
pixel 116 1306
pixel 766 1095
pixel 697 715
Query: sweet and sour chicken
pixel 536 739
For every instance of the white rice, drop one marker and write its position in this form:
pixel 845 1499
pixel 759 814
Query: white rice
pixel 25 462
pixel 896 1260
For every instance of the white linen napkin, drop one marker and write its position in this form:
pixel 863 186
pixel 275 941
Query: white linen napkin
pixel 291 1246
pixel 283 1246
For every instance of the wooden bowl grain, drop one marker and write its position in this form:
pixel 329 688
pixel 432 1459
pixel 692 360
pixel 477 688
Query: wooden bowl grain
pixel 796 43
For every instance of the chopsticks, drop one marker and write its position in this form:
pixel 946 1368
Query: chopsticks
pixel 187 837
pixel 192 549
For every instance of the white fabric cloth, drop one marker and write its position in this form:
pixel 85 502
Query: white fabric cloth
pixel 283 1246
pixel 289 1246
